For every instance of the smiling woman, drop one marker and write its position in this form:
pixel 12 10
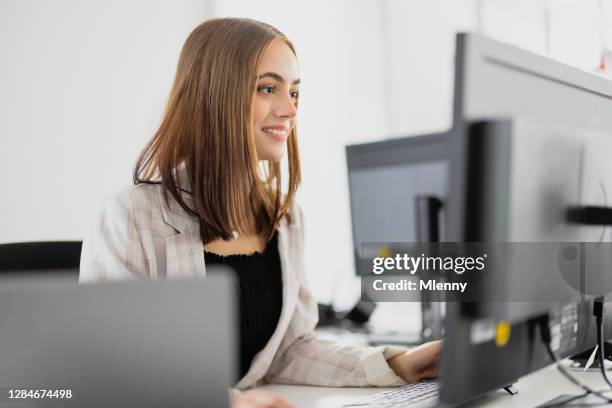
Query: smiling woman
pixel 201 199
pixel 275 103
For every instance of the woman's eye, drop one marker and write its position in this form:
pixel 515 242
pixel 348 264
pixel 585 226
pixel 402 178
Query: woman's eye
pixel 266 89
pixel 295 94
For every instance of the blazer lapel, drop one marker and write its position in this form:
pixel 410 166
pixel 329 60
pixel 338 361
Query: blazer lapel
pixel 263 359
pixel 184 251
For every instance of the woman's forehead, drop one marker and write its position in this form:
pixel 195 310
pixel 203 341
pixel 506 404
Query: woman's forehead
pixel 279 59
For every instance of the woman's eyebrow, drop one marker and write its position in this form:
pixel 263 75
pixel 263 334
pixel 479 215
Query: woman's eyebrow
pixel 276 76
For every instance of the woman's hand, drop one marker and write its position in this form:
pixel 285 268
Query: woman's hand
pixel 260 399
pixel 419 363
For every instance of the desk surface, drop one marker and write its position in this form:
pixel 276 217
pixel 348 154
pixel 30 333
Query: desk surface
pixel 534 389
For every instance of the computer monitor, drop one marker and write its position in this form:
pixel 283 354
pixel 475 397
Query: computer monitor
pixel 392 184
pixel 494 80
pixel 528 142
pixel 386 178
pixel 519 196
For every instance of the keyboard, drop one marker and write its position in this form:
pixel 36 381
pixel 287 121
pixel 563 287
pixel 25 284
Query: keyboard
pixel 424 393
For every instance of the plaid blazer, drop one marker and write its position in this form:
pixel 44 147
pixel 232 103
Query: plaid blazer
pixel 136 235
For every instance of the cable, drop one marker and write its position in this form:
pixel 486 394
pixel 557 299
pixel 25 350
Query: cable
pixel 598 312
pixel 576 398
pixel 564 403
pixel 546 339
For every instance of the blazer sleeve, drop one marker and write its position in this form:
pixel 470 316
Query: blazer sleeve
pixel 112 248
pixel 309 360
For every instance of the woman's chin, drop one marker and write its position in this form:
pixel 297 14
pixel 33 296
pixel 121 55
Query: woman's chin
pixel 273 156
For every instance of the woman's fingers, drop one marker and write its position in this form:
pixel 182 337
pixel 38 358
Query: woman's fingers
pixel 260 399
pixel 426 355
pixel 430 372
pixel 279 402
pixel 432 348
pixel 430 356
pixel 418 363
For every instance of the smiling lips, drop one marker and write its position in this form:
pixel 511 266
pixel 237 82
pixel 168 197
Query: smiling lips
pixel 278 133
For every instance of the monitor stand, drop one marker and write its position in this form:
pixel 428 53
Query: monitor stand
pixel 580 360
pixel 574 401
pixel 510 389
pixel 427 221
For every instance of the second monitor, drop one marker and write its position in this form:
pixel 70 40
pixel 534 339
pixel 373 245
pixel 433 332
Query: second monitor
pixel 397 191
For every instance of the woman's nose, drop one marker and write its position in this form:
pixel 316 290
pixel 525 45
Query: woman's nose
pixel 286 108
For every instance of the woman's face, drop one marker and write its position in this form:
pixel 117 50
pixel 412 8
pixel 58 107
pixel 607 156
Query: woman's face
pixel 274 104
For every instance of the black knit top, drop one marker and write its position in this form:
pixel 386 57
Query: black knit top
pixel 259 276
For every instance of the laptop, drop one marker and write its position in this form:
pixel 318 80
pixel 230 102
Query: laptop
pixel 120 344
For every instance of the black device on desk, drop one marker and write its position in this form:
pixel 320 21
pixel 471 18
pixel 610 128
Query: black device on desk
pixel 48 261
pixel 530 142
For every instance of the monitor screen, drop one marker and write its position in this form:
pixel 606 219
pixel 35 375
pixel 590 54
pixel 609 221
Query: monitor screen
pixel 383 199
pixel 385 179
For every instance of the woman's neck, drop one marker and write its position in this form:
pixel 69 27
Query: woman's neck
pixel 245 244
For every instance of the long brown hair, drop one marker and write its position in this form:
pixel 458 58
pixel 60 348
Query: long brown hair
pixel 206 137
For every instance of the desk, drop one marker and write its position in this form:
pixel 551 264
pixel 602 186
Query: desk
pixel 533 389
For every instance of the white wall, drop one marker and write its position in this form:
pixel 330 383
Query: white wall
pixel 575 36
pixel 518 22
pixel 83 86
pixel 420 38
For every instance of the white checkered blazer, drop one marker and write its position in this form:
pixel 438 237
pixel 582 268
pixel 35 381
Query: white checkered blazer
pixel 136 235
